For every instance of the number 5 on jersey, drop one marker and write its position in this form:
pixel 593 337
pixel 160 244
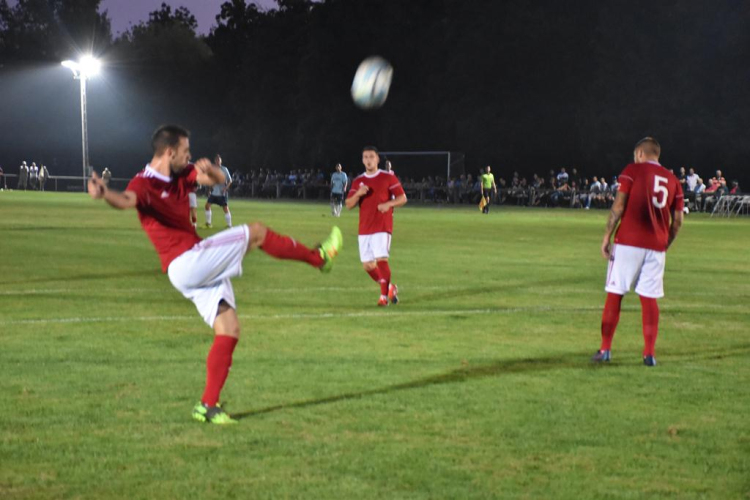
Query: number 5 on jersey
pixel 660 191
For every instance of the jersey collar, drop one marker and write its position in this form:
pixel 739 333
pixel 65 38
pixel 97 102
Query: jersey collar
pixel 154 173
pixel 373 175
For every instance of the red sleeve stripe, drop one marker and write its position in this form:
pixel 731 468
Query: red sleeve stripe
pixel 395 186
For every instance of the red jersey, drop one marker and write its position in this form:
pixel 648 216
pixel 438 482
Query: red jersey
pixel 654 193
pixel 164 211
pixel 382 185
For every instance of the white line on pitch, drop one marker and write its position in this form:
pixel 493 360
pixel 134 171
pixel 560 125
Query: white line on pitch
pixel 361 314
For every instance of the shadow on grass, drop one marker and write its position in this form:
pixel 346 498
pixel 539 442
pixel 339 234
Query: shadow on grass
pixel 577 360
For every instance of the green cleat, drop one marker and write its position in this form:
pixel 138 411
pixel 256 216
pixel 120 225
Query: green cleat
pixel 212 415
pixel 330 248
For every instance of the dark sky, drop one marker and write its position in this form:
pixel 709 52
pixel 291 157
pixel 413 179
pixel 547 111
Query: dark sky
pixel 123 13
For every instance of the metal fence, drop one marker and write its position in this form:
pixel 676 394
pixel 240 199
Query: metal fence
pixel 419 192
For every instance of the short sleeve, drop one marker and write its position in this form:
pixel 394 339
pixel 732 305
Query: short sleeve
pixel 355 186
pixel 626 180
pixel 189 176
pixel 678 203
pixel 394 186
pixel 138 186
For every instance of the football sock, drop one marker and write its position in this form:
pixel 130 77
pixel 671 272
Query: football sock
pixel 385 276
pixel 217 367
pixel 284 247
pixel 208 217
pixel 374 274
pixel 228 218
pixel 610 318
pixel 650 316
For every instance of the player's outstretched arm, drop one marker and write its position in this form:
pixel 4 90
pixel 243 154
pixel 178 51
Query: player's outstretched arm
pixel 674 228
pixel 98 190
pixel 208 173
pixel 618 207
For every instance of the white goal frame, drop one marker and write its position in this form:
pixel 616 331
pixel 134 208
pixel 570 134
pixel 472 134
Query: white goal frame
pixel 447 154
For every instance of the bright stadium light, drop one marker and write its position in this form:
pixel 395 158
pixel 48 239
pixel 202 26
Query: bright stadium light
pixel 82 70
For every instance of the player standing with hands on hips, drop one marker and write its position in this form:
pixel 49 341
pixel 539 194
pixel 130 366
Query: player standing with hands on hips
pixel 377 193
pixel 202 269
pixel 339 183
pixel 220 195
pixel 648 206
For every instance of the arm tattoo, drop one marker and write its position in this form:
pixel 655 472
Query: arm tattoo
pixel 612 221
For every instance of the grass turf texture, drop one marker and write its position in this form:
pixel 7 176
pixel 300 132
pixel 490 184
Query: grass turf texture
pixel 478 385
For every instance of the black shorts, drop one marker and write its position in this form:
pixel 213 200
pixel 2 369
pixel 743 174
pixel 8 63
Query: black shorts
pixel 337 197
pixel 218 200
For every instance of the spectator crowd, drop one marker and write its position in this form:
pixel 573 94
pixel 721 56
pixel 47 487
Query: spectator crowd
pixel 564 188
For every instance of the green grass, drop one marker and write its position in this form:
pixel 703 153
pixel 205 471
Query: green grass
pixel 477 385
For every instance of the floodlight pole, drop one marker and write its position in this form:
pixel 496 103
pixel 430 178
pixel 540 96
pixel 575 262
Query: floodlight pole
pixel 84 130
pixel 82 70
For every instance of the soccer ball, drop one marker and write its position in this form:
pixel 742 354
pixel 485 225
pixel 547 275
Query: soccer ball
pixel 685 210
pixel 372 82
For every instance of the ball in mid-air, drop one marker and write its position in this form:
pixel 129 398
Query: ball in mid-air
pixel 372 82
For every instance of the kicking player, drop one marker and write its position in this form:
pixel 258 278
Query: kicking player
pixel 372 192
pixel 202 269
pixel 648 207
pixel 339 183
pixel 220 195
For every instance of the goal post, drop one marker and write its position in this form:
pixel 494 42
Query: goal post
pixel 423 163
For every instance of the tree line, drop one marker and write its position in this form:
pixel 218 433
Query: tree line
pixel 522 86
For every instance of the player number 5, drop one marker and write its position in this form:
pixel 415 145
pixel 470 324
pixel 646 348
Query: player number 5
pixel 660 191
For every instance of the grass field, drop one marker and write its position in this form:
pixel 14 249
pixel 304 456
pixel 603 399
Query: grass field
pixel 478 385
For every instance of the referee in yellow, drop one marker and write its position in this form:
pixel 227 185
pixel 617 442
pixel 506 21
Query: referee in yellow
pixel 487 184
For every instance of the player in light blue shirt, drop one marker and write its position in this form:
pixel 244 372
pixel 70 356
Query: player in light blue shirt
pixel 339 183
pixel 220 195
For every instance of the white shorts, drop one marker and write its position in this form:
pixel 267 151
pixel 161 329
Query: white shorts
pixel 640 266
pixel 202 273
pixel 193 200
pixel 374 246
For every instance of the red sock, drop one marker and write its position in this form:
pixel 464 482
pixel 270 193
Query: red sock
pixel 650 316
pixel 374 274
pixel 385 276
pixel 217 367
pixel 284 247
pixel 610 318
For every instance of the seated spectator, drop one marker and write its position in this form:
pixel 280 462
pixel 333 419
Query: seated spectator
pixel 595 191
pixel 735 188
pixel 682 177
pixel 562 177
pixel 710 193
pixel 691 180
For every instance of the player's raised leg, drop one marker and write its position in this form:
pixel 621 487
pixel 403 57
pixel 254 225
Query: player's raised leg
pixel 287 248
